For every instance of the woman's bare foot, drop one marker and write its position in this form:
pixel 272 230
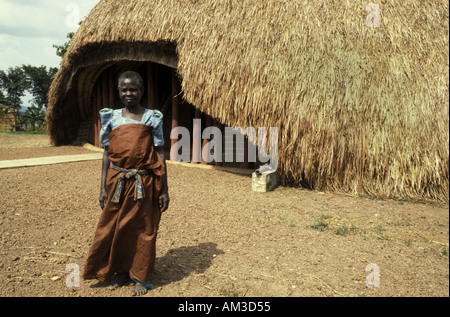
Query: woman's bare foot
pixel 120 279
pixel 139 290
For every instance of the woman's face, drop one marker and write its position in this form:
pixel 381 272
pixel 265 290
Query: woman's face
pixel 129 92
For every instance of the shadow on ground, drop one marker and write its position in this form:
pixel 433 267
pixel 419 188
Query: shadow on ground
pixel 179 263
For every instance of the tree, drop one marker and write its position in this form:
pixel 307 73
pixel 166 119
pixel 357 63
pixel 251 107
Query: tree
pixel 2 99
pixel 16 81
pixel 13 85
pixel 38 81
pixel 35 116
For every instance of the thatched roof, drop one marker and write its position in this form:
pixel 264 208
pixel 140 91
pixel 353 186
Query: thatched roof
pixel 360 109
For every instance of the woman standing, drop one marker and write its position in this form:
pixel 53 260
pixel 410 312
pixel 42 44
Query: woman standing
pixel 133 191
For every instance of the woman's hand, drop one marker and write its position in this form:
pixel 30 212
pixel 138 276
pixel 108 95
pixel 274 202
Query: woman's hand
pixel 163 202
pixel 103 198
pixel 163 199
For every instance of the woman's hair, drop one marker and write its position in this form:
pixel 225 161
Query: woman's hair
pixel 134 76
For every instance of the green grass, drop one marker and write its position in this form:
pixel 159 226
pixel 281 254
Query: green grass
pixel 342 231
pixel 380 231
pixel 320 224
pixel 289 222
pixel 24 132
pixel 24 139
pixel 230 291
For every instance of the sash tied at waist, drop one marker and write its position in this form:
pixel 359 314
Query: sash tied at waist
pixel 139 193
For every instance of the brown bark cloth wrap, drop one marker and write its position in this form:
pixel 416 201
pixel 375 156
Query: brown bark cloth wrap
pixel 125 238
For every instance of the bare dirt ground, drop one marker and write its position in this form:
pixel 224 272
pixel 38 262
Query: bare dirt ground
pixel 218 238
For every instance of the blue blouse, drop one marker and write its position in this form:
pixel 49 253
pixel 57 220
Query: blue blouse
pixel 112 118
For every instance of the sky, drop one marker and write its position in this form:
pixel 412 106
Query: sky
pixel 29 28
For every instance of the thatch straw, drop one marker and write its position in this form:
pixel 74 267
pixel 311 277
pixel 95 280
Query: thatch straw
pixel 359 109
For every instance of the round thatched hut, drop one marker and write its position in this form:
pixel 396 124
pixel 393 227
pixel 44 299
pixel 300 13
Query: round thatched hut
pixel 359 91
